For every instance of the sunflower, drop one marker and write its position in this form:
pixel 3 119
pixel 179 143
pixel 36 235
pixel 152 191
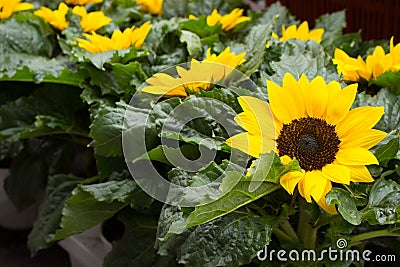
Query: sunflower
pixel 8 7
pixel 199 76
pixel 301 33
pixel 91 21
pixel 82 2
pixel 119 40
pixel 314 125
pixel 372 67
pixel 154 7
pixel 228 21
pixel 55 18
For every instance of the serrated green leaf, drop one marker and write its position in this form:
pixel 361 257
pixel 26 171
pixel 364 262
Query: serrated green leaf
pixel 200 27
pixel 387 151
pixel 236 198
pixel 90 205
pixel 333 25
pixel 193 43
pixel 390 80
pixel 384 203
pixel 210 244
pixel 255 43
pixel 58 190
pixel 391 102
pixel 345 204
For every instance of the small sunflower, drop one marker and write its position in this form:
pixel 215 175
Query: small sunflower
pixel 372 67
pixel 119 40
pixel 198 77
pixel 55 18
pixel 314 125
pixel 9 7
pixel 154 7
pixel 228 21
pixel 301 33
pixel 91 21
pixel 82 2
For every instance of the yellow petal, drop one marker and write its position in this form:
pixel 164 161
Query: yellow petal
pixel 338 108
pixel 256 117
pixel 365 139
pixel 251 144
pixel 316 98
pixel 355 156
pixel 314 185
pixel 282 104
pixel 290 180
pixel 359 119
pixel 322 201
pixel 337 173
pixel 360 174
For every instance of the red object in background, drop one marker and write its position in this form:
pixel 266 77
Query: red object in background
pixel 377 19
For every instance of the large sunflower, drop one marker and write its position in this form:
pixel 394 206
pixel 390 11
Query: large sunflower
pixel 314 125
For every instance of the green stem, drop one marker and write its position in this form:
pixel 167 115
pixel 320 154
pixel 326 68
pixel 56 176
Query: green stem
pixel 92 179
pixel 305 230
pixel 71 82
pixel 288 229
pixel 282 237
pixel 379 233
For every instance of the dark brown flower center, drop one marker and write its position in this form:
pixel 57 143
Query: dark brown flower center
pixel 312 141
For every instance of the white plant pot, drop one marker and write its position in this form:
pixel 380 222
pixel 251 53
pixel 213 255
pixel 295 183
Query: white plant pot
pixel 9 216
pixel 86 249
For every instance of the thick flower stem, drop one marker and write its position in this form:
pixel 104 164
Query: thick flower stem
pixel 379 233
pixel 305 230
pixel 288 229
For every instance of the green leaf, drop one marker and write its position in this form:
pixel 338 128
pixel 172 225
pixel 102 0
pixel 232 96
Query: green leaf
pixel 106 131
pixel 49 109
pixel 90 205
pixel 300 57
pixel 210 244
pixel 278 15
pixel 58 190
pixel 193 43
pixel 389 79
pixel 26 183
pixel 391 102
pixel 200 27
pixel 196 120
pixel 386 152
pixel 128 251
pixel 33 40
pixel 345 204
pixel 333 24
pixel 255 43
pixel 236 198
pixel 384 203
pixel 116 79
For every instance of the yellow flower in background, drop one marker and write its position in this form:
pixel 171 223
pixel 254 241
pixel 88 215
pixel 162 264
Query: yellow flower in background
pixel 119 40
pixel 301 33
pixel 82 2
pixel 154 7
pixel 8 7
pixel 91 21
pixel 375 64
pixel 198 77
pixel 55 18
pixel 313 124
pixel 228 21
